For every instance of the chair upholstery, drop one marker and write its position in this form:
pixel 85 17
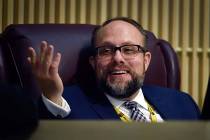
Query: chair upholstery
pixel 73 41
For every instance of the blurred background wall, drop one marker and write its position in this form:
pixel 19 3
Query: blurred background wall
pixel 184 23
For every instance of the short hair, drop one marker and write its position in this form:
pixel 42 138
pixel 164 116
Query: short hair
pixel 125 19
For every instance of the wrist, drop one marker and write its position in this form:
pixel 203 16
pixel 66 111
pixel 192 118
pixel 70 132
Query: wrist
pixel 55 99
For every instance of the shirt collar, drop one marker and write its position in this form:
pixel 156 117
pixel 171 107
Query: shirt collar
pixel 139 99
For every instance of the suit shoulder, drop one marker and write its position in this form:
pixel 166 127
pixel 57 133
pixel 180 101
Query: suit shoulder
pixel 162 90
pixel 180 102
pixel 73 91
pixel 167 93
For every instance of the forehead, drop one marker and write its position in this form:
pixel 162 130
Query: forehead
pixel 118 32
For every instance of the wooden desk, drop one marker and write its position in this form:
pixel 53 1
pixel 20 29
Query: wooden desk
pixel 104 130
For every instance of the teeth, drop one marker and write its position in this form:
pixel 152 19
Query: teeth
pixel 119 72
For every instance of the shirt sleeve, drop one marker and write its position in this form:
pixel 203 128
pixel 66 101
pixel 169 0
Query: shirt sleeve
pixel 62 111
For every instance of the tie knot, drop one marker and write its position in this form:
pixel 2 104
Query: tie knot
pixel 136 114
pixel 132 105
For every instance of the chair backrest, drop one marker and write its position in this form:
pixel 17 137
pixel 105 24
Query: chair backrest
pixel 73 41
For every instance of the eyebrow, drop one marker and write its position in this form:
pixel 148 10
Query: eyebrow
pixel 124 43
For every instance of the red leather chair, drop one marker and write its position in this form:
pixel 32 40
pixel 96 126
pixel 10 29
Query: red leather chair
pixel 73 40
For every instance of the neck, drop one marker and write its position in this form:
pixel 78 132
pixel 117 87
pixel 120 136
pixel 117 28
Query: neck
pixel 132 96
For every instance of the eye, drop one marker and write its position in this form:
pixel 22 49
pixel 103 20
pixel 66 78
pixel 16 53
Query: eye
pixel 105 51
pixel 129 49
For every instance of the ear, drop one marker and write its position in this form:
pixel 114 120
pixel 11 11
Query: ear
pixel 147 59
pixel 92 62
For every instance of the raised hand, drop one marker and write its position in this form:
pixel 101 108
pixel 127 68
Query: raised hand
pixel 45 68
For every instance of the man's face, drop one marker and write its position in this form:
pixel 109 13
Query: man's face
pixel 119 76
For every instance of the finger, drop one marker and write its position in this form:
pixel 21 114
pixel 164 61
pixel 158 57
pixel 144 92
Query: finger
pixel 43 49
pixel 47 59
pixel 32 59
pixel 29 60
pixel 55 64
pixel 32 55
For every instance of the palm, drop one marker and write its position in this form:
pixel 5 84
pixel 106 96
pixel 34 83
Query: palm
pixel 45 68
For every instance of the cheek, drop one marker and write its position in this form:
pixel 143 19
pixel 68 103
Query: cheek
pixel 137 66
pixel 101 68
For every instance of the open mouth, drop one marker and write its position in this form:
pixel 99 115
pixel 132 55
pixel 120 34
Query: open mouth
pixel 118 72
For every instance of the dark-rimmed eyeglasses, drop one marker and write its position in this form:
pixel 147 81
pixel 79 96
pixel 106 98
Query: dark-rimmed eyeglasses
pixel 127 51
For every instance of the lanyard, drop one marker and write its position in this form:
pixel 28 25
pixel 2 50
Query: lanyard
pixel 124 118
pixel 153 116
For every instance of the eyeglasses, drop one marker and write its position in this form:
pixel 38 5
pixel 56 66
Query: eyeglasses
pixel 127 51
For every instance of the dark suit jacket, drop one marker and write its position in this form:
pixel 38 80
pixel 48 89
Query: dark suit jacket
pixel 169 103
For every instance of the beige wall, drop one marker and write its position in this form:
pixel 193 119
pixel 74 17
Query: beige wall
pixel 184 23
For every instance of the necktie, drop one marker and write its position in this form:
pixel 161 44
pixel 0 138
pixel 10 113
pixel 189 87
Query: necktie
pixel 136 114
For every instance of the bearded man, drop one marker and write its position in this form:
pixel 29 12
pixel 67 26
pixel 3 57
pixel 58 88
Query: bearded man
pixel 120 59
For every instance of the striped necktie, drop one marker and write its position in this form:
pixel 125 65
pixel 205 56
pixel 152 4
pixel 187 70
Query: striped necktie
pixel 136 114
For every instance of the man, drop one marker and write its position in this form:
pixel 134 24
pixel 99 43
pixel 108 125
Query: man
pixel 120 60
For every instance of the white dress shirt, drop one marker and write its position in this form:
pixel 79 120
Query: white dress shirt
pixel 65 109
pixel 142 106
pixel 55 109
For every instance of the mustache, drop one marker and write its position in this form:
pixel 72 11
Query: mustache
pixel 118 67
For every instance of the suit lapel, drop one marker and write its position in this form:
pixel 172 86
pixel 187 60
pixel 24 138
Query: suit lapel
pixel 160 101
pixel 105 111
pixel 104 108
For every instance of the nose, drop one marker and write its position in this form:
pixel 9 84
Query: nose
pixel 117 57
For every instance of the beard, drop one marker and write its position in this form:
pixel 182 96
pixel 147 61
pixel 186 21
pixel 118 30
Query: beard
pixel 118 91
